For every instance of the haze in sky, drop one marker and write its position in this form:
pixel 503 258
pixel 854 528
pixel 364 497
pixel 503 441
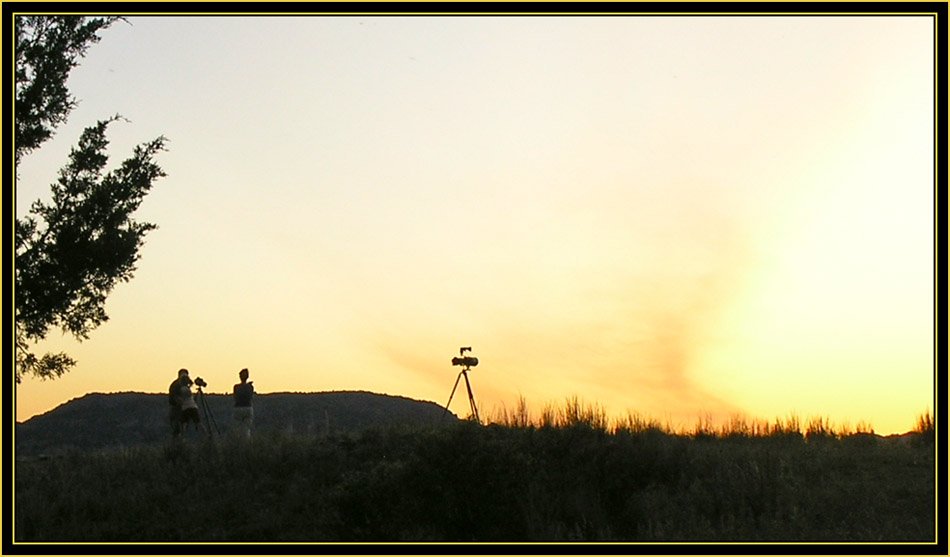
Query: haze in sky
pixel 685 217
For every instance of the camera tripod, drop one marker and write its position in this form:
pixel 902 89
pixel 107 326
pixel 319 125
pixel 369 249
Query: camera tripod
pixel 471 397
pixel 206 409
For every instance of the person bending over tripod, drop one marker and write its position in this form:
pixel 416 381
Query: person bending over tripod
pixel 183 409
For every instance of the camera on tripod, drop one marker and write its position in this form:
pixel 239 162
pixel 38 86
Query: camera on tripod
pixel 200 382
pixel 467 361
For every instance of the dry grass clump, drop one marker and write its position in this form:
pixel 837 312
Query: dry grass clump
pixel 575 412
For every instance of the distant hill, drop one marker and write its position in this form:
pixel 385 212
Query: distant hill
pixel 97 420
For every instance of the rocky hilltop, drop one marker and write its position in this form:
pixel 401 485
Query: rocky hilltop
pixel 97 420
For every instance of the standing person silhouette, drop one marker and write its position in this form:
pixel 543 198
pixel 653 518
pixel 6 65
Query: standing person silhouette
pixel 243 414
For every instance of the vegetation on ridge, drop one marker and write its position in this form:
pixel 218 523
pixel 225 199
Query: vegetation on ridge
pixel 463 482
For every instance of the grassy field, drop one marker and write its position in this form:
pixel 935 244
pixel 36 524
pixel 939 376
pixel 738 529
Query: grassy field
pixel 565 476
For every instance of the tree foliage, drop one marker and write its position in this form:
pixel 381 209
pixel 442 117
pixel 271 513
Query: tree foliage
pixel 71 251
pixel 47 49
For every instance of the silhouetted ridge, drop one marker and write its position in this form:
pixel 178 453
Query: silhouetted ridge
pixel 98 420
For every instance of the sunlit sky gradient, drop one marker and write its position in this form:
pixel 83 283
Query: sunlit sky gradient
pixel 684 217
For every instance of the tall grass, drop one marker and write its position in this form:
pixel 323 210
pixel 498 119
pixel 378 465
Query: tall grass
pixel 568 474
pixel 925 424
pixel 518 416
pixel 636 423
pixel 574 412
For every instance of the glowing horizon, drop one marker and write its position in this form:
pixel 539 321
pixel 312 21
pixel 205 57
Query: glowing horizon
pixel 678 216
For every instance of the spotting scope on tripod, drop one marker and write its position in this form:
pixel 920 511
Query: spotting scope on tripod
pixel 467 363
pixel 206 409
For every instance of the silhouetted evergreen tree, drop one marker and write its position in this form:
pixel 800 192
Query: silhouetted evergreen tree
pixel 71 252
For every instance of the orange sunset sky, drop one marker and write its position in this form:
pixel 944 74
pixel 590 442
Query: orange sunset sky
pixel 679 216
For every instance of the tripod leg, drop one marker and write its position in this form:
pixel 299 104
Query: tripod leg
pixel 471 399
pixel 204 410
pixel 212 421
pixel 453 394
pixel 209 417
